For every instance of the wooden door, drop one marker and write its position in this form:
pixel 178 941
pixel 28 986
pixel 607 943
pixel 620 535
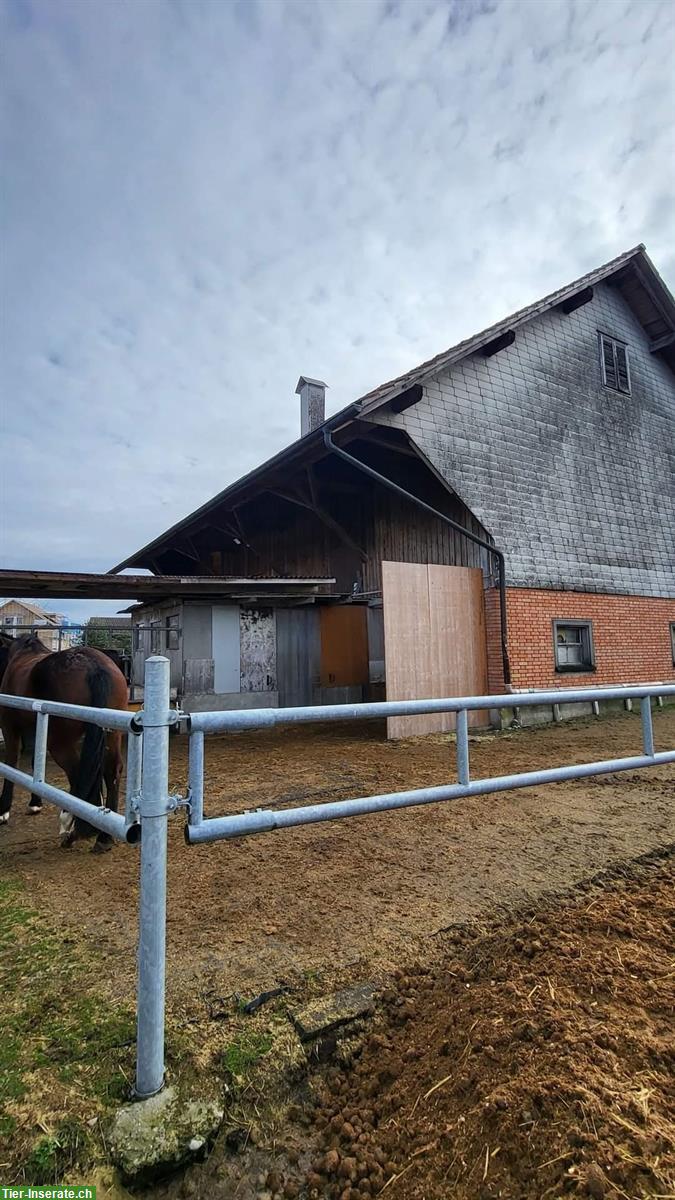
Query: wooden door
pixel 435 642
pixel 344 645
pixel 298 655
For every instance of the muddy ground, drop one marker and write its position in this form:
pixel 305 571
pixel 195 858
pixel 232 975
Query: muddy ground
pixel 356 895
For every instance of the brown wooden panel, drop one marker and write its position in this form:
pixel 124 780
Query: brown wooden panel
pixel 435 643
pixel 344 645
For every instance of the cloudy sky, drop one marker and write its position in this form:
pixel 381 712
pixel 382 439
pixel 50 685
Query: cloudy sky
pixel 203 199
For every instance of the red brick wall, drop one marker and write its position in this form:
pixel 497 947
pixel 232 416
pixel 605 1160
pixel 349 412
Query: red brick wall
pixel 631 637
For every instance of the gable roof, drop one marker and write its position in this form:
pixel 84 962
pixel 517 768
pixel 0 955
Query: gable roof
pixel 633 272
pixel 50 618
pixel 658 320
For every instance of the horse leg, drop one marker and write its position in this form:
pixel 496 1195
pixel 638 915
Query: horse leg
pixel 68 759
pixel 12 749
pixel 112 773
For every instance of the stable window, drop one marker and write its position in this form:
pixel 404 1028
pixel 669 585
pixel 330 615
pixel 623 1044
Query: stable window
pixel 672 639
pixel 172 633
pixel 573 646
pixel 155 637
pixel 614 363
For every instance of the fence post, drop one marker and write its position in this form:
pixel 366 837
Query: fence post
pixel 154 813
pixel 463 747
pixel 647 728
pixel 196 777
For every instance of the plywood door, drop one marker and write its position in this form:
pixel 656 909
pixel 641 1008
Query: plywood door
pixel 435 645
pixel 226 649
pixel 344 645
pixel 407 643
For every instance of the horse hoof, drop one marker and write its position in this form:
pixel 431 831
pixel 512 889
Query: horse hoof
pixel 67 841
pixel 101 847
pixel 34 809
pixel 4 818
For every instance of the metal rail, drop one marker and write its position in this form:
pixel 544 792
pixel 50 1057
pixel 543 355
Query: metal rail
pixel 258 718
pixel 148 803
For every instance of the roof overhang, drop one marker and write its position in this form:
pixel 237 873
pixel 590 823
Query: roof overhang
pixel 68 585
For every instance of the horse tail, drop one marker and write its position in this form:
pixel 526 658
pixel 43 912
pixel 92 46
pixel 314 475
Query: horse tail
pixel 89 785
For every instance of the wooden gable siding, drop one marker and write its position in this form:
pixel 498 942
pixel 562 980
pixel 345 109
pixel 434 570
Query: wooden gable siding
pixel 288 540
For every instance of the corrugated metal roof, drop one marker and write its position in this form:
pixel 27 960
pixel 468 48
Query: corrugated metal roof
pixel 71 585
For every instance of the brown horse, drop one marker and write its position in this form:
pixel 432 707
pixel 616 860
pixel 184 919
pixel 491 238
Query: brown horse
pixel 81 675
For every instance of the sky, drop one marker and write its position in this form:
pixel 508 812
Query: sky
pixel 204 199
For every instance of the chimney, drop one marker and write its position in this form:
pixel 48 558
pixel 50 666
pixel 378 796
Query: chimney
pixel 312 393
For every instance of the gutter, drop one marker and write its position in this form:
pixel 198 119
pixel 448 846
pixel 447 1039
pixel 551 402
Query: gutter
pixel 472 537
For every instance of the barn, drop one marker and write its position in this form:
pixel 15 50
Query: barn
pixel 499 517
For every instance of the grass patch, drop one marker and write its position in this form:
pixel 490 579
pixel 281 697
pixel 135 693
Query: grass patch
pixel 244 1053
pixel 66 1056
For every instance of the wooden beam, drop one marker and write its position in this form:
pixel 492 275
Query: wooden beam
pixel 186 547
pixel 660 343
pixel 374 440
pixel 652 293
pixel 312 506
pixel 410 396
pixel 572 303
pixel 499 343
pixel 329 520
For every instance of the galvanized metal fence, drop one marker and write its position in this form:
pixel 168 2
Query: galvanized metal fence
pixel 148 802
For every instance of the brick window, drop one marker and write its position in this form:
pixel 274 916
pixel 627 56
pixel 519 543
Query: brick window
pixel 614 364
pixel 672 639
pixel 573 646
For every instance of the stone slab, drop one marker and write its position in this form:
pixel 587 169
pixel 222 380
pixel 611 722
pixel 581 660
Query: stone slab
pixel 329 1012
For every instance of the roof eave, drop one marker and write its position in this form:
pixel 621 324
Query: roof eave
pixel 299 449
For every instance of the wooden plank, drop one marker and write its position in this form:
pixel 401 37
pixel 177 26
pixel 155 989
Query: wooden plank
pixel 197 676
pixel 344 645
pixel 298 655
pixel 407 643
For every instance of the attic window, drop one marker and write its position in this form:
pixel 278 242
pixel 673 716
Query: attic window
pixel 614 363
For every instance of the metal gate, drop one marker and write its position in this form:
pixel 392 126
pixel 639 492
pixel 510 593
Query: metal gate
pixel 148 802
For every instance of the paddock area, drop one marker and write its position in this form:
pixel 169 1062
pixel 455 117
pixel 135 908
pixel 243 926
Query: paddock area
pixel 362 893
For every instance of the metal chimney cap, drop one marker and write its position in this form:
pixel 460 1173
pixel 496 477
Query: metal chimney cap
pixel 305 379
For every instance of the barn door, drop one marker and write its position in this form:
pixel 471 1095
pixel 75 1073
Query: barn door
pixel 344 645
pixel 298 655
pixel 434 635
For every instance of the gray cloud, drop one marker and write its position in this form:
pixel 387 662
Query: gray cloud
pixel 203 200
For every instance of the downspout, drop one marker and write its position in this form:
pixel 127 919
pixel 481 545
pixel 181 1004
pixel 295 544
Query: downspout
pixel 395 487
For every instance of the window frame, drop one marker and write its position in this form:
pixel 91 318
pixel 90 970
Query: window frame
pixel 172 632
pixel 588 665
pixel 672 640
pixel 614 342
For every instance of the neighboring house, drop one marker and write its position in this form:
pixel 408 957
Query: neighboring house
pixel 21 616
pixel 550 436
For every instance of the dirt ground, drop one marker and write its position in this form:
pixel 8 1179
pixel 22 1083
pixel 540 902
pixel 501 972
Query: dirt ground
pixel 362 894
pixel 534 1063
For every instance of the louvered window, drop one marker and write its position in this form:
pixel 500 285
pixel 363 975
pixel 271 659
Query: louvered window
pixel 614 362
pixel 573 646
